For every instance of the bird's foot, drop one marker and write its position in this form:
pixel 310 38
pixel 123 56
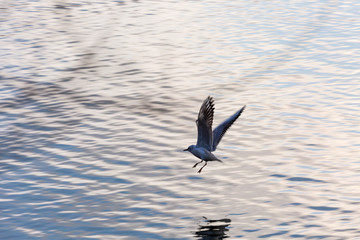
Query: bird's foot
pixel 197 163
pixel 202 167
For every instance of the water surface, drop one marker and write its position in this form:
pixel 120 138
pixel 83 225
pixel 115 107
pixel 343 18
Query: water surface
pixel 98 100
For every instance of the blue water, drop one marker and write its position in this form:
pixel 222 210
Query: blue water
pixel 98 100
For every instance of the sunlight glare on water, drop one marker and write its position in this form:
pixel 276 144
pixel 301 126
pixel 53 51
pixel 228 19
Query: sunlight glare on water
pixel 99 99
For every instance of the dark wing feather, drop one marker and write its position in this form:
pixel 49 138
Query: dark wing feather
pixel 223 127
pixel 204 124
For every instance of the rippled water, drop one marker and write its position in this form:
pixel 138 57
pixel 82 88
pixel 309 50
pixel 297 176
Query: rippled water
pixel 98 100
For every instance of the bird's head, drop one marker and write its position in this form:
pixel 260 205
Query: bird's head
pixel 190 148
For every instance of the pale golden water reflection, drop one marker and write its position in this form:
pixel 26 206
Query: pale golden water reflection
pixel 98 99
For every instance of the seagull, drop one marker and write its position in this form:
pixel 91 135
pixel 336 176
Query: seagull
pixel 207 140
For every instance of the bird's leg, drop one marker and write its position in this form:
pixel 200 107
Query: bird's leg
pixel 202 167
pixel 198 163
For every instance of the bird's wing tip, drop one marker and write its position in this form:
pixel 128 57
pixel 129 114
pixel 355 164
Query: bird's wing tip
pixel 242 109
pixel 210 99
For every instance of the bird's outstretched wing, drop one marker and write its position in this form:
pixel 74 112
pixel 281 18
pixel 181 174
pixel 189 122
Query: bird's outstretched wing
pixel 204 124
pixel 220 130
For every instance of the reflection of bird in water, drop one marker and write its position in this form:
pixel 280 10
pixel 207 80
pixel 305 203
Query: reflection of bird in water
pixel 213 230
pixel 207 139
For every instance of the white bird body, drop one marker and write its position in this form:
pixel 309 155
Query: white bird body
pixel 208 140
pixel 203 153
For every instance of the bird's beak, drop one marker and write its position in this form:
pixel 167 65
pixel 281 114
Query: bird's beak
pixel 186 149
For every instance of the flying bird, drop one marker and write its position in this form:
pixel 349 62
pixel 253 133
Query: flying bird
pixel 207 140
